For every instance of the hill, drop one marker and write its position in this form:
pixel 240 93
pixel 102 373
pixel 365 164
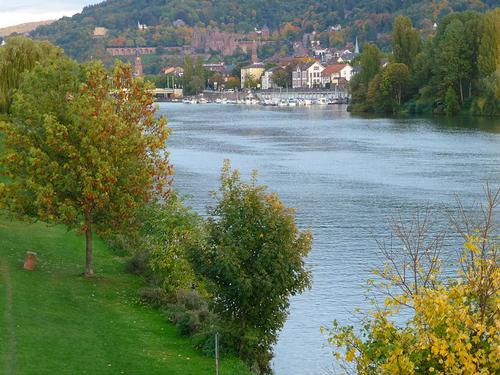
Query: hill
pixel 171 23
pixel 55 322
pixel 23 27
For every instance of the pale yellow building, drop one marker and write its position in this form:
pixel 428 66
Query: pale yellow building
pixel 253 72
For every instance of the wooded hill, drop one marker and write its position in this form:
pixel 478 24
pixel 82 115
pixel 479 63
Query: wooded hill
pixel 369 20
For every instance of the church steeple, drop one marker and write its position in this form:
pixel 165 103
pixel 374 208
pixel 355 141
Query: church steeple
pixel 356 48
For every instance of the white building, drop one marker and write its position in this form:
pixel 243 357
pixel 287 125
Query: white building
pixel 334 74
pixel 307 75
pixel 267 80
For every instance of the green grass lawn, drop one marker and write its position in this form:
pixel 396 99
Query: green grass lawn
pixel 53 321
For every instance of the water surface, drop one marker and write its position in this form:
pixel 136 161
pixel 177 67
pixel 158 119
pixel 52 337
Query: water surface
pixel 345 175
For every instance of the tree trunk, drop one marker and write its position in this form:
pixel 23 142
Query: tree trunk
pixel 89 267
pixel 461 92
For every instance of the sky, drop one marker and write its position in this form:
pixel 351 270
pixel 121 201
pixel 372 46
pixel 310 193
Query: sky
pixel 13 12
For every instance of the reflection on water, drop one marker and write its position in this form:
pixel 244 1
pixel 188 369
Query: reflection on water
pixel 345 175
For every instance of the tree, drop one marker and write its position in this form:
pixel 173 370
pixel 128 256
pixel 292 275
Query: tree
pixel 369 62
pixel 451 102
pixel 194 76
pixel 406 43
pixel 84 149
pixel 453 323
pixel 251 82
pixel 489 64
pixel 489 50
pixel 252 262
pixel 233 83
pixel 281 78
pixel 17 56
pixel 395 81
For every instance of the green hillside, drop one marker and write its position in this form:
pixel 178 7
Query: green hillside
pixel 369 20
pixel 55 322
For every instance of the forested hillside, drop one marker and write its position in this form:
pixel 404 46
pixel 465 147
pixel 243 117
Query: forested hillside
pixel 369 20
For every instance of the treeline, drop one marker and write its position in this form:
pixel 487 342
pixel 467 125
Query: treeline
pixel 84 147
pixel 457 70
pixel 369 20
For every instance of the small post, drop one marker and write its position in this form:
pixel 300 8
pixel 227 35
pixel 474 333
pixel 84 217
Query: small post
pixel 30 261
pixel 216 353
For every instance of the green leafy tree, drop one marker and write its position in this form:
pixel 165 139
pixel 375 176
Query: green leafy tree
pixel 84 149
pixel 489 50
pixel 194 76
pixel 406 42
pixel 451 102
pixel 281 78
pixel 457 50
pixel 251 82
pixel 395 82
pixel 252 262
pixel 369 62
pixel 20 54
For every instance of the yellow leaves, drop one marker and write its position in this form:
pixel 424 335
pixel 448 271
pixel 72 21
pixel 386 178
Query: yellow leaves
pixel 349 356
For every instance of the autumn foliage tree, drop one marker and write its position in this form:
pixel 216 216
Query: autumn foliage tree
pixel 452 324
pixel 83 148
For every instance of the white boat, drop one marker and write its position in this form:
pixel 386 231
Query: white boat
pixel 292 102
pixel 322 101
pixel 218 100
pixel 203 101
pixel 186 101
pixel 283 103
pixel 308 102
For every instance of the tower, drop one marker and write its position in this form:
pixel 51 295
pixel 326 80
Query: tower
pixel 356 48
pixel 138 64
pixel 254 52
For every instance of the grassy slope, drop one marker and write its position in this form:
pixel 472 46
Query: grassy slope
pixel 52 321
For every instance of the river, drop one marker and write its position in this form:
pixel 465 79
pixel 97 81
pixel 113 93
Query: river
pixel 346 176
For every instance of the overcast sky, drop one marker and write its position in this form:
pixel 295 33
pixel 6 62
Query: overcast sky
pixel 13 12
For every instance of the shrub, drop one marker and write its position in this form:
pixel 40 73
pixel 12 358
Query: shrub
pixel 138 264
pixel 154 296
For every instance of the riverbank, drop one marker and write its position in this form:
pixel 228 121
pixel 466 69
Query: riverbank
pixel 56 322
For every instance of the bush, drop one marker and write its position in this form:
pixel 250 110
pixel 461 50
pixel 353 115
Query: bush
pixel 205 340
pixel 191 300
pixel 138 264
pixel 188 323
pixel 154 296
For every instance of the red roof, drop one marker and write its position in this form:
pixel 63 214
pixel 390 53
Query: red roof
pixel 332 69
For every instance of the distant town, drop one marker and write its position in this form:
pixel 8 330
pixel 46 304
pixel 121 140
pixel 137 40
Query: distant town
pixel 308 66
